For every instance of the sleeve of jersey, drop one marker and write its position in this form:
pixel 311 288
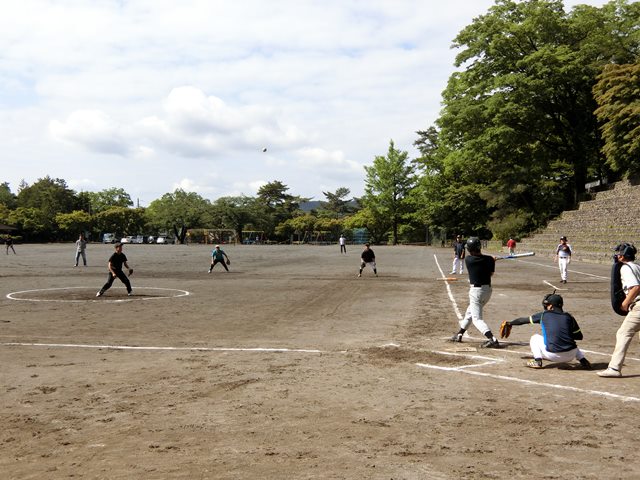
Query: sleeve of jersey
pixel 576 333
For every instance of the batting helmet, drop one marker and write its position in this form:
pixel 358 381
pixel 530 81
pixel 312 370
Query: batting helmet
pixel 627 250
pixel 552 299
pixel 473 244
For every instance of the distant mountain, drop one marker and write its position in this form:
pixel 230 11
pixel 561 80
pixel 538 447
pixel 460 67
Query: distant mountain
pixel 312 205
pixel 317 205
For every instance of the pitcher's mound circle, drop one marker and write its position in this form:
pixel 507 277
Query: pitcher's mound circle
pixel 86 294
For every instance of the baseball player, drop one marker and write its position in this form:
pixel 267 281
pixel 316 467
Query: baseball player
pixel 629 272
pixel 481 268
pixel 511 246
pixel 563 257
pixel 81 246
pixel 218 256
pixel 116 261
pixel 559 334
pixel 9 243
pixel 367 257
pixel 343 244
pixel 458 256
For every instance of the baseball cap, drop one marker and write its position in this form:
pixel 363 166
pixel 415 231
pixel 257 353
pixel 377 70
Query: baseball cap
pixel 563 238
pixel 217 246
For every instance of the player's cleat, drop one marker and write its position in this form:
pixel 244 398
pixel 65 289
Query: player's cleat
pixel 610 372
pixel 130 294
pixel 490 344
pixel 359 275
pixel 457 338
pixel 535 363
pixel 99 294
pixel 586 364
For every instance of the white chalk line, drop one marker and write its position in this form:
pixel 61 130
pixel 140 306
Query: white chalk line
pixel 453 300
pixel 517 379
pixel 624 398
pixel 10 296
pixel 555 267
pixel 191 349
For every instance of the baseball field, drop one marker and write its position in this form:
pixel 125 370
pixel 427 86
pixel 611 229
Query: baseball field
pixel 289 366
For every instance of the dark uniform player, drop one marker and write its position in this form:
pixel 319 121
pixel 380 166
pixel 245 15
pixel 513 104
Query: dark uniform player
pixel 367 257
pixel 559 334
pixel 116 261
pixel 481 268
pixel 458 256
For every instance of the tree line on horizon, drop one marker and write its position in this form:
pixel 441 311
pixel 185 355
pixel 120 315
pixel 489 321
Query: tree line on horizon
pixel 544 102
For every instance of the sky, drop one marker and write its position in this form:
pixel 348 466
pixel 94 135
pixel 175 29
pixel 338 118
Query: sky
pixel 155 95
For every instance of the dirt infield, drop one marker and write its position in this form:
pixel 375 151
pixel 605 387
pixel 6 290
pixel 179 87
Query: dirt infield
pixel 290 366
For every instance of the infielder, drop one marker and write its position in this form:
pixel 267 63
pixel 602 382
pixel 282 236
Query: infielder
pixel 367 257
pixel 116 261
pixel 458 256
pixel 629 272
pixel 481 268
pixel 218 256
pixel 559 334
pixel 563 257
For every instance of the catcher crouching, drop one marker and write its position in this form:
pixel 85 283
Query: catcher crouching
pixel 560 332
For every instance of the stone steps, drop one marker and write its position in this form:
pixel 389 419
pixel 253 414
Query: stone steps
pixel 595 228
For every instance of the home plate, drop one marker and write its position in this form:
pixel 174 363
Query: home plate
pixel 462 349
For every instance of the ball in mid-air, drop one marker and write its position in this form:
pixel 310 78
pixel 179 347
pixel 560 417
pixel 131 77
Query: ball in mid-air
pixel 264 149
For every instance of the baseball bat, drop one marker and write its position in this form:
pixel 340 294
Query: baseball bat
pixel 448 279
pixel 516 255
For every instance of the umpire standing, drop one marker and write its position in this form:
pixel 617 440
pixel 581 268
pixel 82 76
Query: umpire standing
pixel 116 261
pixel 481 268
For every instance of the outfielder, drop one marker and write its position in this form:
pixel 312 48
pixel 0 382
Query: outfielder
pixel 367 257
pixel 481 268
pixel 218 256
pixel 116 261
pixel 629 273
pixel 559 334
pixel 563 257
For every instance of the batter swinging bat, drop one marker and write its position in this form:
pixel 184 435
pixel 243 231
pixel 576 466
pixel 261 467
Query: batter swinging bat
pixel 516 255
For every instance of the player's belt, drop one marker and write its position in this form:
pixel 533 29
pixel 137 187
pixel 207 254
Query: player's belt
pixel 478 285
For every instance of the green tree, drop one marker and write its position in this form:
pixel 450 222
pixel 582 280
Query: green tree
pixel 107 198
pixel 277 205
pixel 518 120
pixel 377 225
pixel 44 200
pixel 618 96
pixel 235 213
pixel 7 198
pixel 122 220
pixel 387 185
pixel 179 211
pixel 30 222
pixel 74 223
pixel 337 203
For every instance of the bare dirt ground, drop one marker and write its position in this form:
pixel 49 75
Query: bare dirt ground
pixel 290 366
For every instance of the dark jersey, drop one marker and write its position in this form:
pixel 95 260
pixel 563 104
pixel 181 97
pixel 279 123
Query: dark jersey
pixel 480 268
pixel 559 329
pixel 458 249
pixel 368 256
pixel 116 260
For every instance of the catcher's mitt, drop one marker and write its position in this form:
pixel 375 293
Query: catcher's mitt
pixel 505 329
pixel 130 271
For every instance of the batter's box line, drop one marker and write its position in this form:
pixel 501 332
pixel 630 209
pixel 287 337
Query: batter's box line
pixel 610 395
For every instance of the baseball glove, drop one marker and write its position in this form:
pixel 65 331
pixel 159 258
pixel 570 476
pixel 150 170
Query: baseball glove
pixel 130 271
pixel 228 262
pixel 505 329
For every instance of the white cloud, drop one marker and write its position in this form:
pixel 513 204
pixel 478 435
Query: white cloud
pixel 193 89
